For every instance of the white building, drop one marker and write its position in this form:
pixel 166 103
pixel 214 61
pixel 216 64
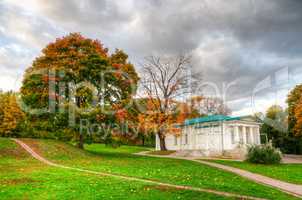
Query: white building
pixel 215 135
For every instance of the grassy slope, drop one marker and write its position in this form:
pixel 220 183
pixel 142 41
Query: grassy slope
pixel 119 161
pixel 22 177
pixel 287 172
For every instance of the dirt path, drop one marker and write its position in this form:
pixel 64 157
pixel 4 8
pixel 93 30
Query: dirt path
pixel 292 159
pixel 292 189
pixel 128 178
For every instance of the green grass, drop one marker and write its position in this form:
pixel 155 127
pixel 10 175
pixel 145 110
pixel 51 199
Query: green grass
pixel 287 172
pixel 182 172
pixel 6 144
pixel 22 177
pixel 161 153
pixel 120 150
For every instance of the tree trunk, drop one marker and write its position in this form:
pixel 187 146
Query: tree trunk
pixel 81 141
pixel 162 142
pixel 81 136
pixel 143 140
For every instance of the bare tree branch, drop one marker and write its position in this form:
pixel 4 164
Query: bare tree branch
pixel 168 79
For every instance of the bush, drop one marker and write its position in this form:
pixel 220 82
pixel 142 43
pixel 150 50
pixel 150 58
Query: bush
pixel 264 154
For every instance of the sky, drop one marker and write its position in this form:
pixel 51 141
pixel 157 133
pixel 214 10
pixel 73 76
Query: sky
pixel 249 51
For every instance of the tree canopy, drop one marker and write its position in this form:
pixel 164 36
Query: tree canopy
pixel 78 71
pixel 294 102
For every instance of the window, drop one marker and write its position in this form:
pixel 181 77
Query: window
pixel 216 130
pixel 175 140
pixel 256 136
pixel 186 138
pixel 232 134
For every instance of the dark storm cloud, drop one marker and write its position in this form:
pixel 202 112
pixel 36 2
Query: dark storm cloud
pixel 101 14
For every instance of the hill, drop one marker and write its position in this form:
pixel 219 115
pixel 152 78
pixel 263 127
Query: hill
pixel 24 177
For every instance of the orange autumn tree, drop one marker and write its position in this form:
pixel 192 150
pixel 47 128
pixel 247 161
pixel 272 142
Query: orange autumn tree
pixel 165 79
pixel 298 116
pixel 160 123
pixel 10 114
pixel 293 99
pixel 76 73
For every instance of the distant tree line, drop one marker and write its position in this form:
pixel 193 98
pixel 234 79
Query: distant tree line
pixel 284 126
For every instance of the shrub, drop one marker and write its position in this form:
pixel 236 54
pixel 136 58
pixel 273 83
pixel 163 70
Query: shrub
pixel 264 154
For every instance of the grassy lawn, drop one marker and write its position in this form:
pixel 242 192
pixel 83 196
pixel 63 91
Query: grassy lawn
pixel 120 150
pixel 22 177
pixel 287 172
pixel 161 153
pixel 121 161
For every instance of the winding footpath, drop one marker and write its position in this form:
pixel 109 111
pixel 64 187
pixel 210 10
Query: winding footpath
pixel 129 178
pixel 292 189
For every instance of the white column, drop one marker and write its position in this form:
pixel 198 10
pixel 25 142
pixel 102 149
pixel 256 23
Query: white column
pixel 252 135
pixel 208 138
pixel 179 139
pixel 244 134
pixel 194 136
pixel 157 147
pixel 222 136
pixel 236 130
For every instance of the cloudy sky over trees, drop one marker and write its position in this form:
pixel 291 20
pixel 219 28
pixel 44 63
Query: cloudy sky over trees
pixel 253 46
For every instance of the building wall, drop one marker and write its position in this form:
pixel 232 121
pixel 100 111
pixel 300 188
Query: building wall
pixel 209 137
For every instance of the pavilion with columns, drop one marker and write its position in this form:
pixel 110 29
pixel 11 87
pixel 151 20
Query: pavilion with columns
pixel 215 135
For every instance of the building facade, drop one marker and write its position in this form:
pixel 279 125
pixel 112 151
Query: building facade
pixel 215 135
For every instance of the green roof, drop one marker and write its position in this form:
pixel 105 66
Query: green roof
pixel 211 118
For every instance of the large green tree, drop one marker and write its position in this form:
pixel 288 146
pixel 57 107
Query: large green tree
pixel 79 72
pixel 275 126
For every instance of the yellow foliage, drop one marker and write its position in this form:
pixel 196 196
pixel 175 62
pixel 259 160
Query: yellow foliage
pixel 11 114
pixel 298 116
pixel 163 121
